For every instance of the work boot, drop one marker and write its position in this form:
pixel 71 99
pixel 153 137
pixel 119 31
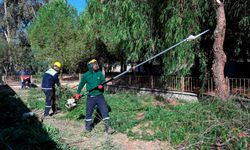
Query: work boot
pixel 88 127
pixel 108 128
pixel 55 112
pixel 86 130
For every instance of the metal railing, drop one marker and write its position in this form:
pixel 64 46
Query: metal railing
pixel 184 84
pixel 239 86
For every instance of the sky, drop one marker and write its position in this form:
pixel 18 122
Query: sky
pixel 80 5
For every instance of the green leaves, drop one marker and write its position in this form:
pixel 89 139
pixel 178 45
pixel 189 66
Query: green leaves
pixel 121 25
pixel 55 33
pixel 180 23
pixel 132 31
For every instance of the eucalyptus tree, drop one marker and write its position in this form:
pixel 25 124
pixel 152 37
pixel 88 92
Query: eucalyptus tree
pixel 220 58
pixel 15 16
pixel 191 16
pixel 235 32
pixel 134 29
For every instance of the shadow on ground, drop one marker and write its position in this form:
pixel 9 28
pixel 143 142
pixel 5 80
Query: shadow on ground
pixel 17 132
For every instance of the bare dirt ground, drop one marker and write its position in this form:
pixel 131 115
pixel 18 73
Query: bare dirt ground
pixel 71 132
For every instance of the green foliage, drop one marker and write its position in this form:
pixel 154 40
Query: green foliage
pixel 14 18
pixel 123 118
pixel 14 56
pixel 197 122
pixel 238 30
pixel 124 26
pixel 187 16
pixel 62 96
pixel 134 30
pixel 35 99
pixel 3 53
pixel 55 136
pixel 55 33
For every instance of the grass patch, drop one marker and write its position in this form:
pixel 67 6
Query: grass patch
pixel 190 125
pixel 55 136
pixel 35 99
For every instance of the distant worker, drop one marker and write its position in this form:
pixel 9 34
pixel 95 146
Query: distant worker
pixel 25 78
pixel 50 79
pixel 94 79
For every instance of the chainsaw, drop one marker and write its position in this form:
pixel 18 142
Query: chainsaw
pixel 71 104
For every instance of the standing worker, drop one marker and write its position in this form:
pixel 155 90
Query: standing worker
pixel 94 78
pixel 50 78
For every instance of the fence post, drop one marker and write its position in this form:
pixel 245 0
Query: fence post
pixel 151 81
pixel 212 85
pixel 129 79
pixel 244 86
pixel 228 84
pixel 182 84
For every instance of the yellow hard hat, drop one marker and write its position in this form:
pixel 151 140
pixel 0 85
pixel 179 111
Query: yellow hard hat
pixel 92 61
pixel 58 64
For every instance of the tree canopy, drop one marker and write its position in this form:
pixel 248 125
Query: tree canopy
pixel 15 16
pixel 54 34
pixel 132 31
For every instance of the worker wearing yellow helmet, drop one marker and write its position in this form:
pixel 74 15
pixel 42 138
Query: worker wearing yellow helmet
pixel 50 79
pixel 94 80
pixel 58 64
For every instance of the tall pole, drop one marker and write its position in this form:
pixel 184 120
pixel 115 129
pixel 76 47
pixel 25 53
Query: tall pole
pixel 189 38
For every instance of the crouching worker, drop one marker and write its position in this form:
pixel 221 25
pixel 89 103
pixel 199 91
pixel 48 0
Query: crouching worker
pixel 93 79
pixel 25 78
pixel 50 79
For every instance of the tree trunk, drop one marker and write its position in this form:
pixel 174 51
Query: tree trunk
pixel 5 71
pixel 221 87
pixel 7 31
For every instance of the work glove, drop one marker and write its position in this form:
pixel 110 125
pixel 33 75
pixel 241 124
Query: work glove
pixel 101 88
pixel 77 96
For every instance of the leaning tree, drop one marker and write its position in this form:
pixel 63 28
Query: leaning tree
pixel 220 58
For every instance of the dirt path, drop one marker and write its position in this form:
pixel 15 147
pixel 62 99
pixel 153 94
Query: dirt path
pixel 71 132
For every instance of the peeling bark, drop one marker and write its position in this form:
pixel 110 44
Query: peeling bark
pixel 7 31
pixel 220 58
